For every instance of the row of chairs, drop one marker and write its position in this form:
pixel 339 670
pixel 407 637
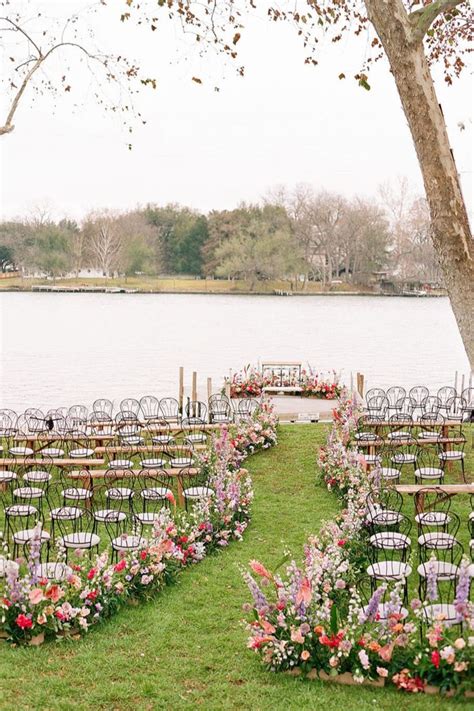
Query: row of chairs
pixel 439 552
pixel 219 410
pixel 418 401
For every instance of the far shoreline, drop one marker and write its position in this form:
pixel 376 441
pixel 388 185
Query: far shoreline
pixel 169 285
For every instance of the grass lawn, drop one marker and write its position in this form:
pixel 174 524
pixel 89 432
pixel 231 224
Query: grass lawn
pixel 178 284
pixel 186 649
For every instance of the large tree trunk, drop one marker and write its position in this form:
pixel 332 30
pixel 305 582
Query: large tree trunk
pixel 450 226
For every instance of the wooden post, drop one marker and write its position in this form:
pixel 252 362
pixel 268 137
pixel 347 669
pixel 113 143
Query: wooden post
pixel 352 382
pixel 209 388
pixel 194 387
pixel 360 384
pixel 456 381
pixel 181 388
pixel 462 384
pixel 227 387
pixel 470 378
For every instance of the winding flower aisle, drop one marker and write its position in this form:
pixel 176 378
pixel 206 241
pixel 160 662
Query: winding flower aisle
pixel 33 608
pixel 312 619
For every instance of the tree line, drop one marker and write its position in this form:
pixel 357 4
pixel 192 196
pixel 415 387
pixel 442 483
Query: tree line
pixel 299 234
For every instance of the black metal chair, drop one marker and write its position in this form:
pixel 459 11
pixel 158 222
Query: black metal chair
pixel 150 408
pixel 77 417
pixel 196 410
pixel 103 406
pixel 455 409
pixel 430 427
pixel 220 409
pixel 396 397
pixel 445 394
pixel 418 395
pixel 194 486
pixel 437 582
pixel 430 541
pixel 247 408
pixel 130 404
pixel 428 467
pixel 452 450
pixel 169 410
pixel 77 533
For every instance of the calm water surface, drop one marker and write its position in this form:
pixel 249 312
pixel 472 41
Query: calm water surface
pixel 59 349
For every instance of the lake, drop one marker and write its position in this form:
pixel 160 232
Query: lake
pixel 63 349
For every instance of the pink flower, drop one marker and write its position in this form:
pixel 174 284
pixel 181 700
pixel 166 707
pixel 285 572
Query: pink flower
pixel 35 596
pixel 381 671
pixel 305 655
pixel 304 593
pixel 260 569
pixel 170 497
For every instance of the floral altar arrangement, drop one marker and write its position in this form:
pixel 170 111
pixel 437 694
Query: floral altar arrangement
pixel 88 590
pixel 251 382
pixel 312 619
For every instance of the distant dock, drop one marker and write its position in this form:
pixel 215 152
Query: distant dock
pixel 86 289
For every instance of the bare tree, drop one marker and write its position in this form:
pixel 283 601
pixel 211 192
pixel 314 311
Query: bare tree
pixel 50 56
pixel 104 241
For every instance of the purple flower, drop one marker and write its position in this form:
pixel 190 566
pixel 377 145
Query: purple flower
pixel 462 591
pixel 259 599
pixel 431 580
pixel 373 606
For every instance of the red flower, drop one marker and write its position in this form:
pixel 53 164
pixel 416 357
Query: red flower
pixel 333 641
pixel 118 567
pixel 92 595
pixel 60 615
pixel 6 602
pixel 91 573
pixel 342 543
pixel 24 622
pixel 183 539
pixel 435 658
pixel 143 554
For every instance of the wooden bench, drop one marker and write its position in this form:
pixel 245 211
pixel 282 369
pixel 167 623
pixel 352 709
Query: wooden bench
pixel 61 463
pixel 152 449
pixel 419 491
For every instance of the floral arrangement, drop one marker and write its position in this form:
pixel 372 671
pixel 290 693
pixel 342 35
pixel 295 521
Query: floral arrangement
pixel 250 382
pixel 33 608
pixel 312 618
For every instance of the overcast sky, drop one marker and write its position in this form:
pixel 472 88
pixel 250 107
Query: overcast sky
pixel 283 123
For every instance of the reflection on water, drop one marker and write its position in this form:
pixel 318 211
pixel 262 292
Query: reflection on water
pixel 58 349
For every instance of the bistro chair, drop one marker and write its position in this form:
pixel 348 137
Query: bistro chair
pixel 169 410
pixel 109 505
pixel 79 444
pixel 247 408
pixel 386 606
pixel 418 395
pixel 430 426
pixel 119 455
pixel 220 409
pixel 430 541
pixel 441 572
pixel 124 540
pixel 128 428
pixel 196 410
pixel 77 417
pixel 77 533
pixel 456 409
pixel 150 407
pixel 130 405
pixel 374 392
pixel 194 433
pixel 396 397
pixel 433 510
pixel 452 450
pixel 103 406
pixel 428 467
pixel 194 486
pixel 445 394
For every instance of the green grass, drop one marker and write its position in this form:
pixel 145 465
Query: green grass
pixel 177 284
pixel 186 649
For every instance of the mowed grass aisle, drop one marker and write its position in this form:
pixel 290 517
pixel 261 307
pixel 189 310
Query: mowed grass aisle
pixel 186 649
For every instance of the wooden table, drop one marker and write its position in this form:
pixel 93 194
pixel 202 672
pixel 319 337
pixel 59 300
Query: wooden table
pixel 60 462
pixel 418 491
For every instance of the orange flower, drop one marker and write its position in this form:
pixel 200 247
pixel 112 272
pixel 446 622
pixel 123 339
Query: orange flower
pixel 54 593
pixel 374 646
pixel 319 630
pixel 305 655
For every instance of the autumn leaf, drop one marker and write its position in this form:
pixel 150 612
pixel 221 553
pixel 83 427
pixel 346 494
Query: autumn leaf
pixel 197 80
pixel 342 75
pixel 236 38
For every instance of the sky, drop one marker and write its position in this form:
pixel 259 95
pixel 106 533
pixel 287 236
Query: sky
pixel 283 123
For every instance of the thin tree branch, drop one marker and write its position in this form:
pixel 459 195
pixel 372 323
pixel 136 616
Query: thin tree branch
pixel 422 19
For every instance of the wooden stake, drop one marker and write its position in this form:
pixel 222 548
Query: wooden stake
pixel 227 387
pixel 194 391
pixel 209 388
pixel 352 382
pixel 456 381
pixel 181 388
pixel 462 384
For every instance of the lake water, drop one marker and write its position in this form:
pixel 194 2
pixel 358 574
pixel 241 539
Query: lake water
pixel 62 349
